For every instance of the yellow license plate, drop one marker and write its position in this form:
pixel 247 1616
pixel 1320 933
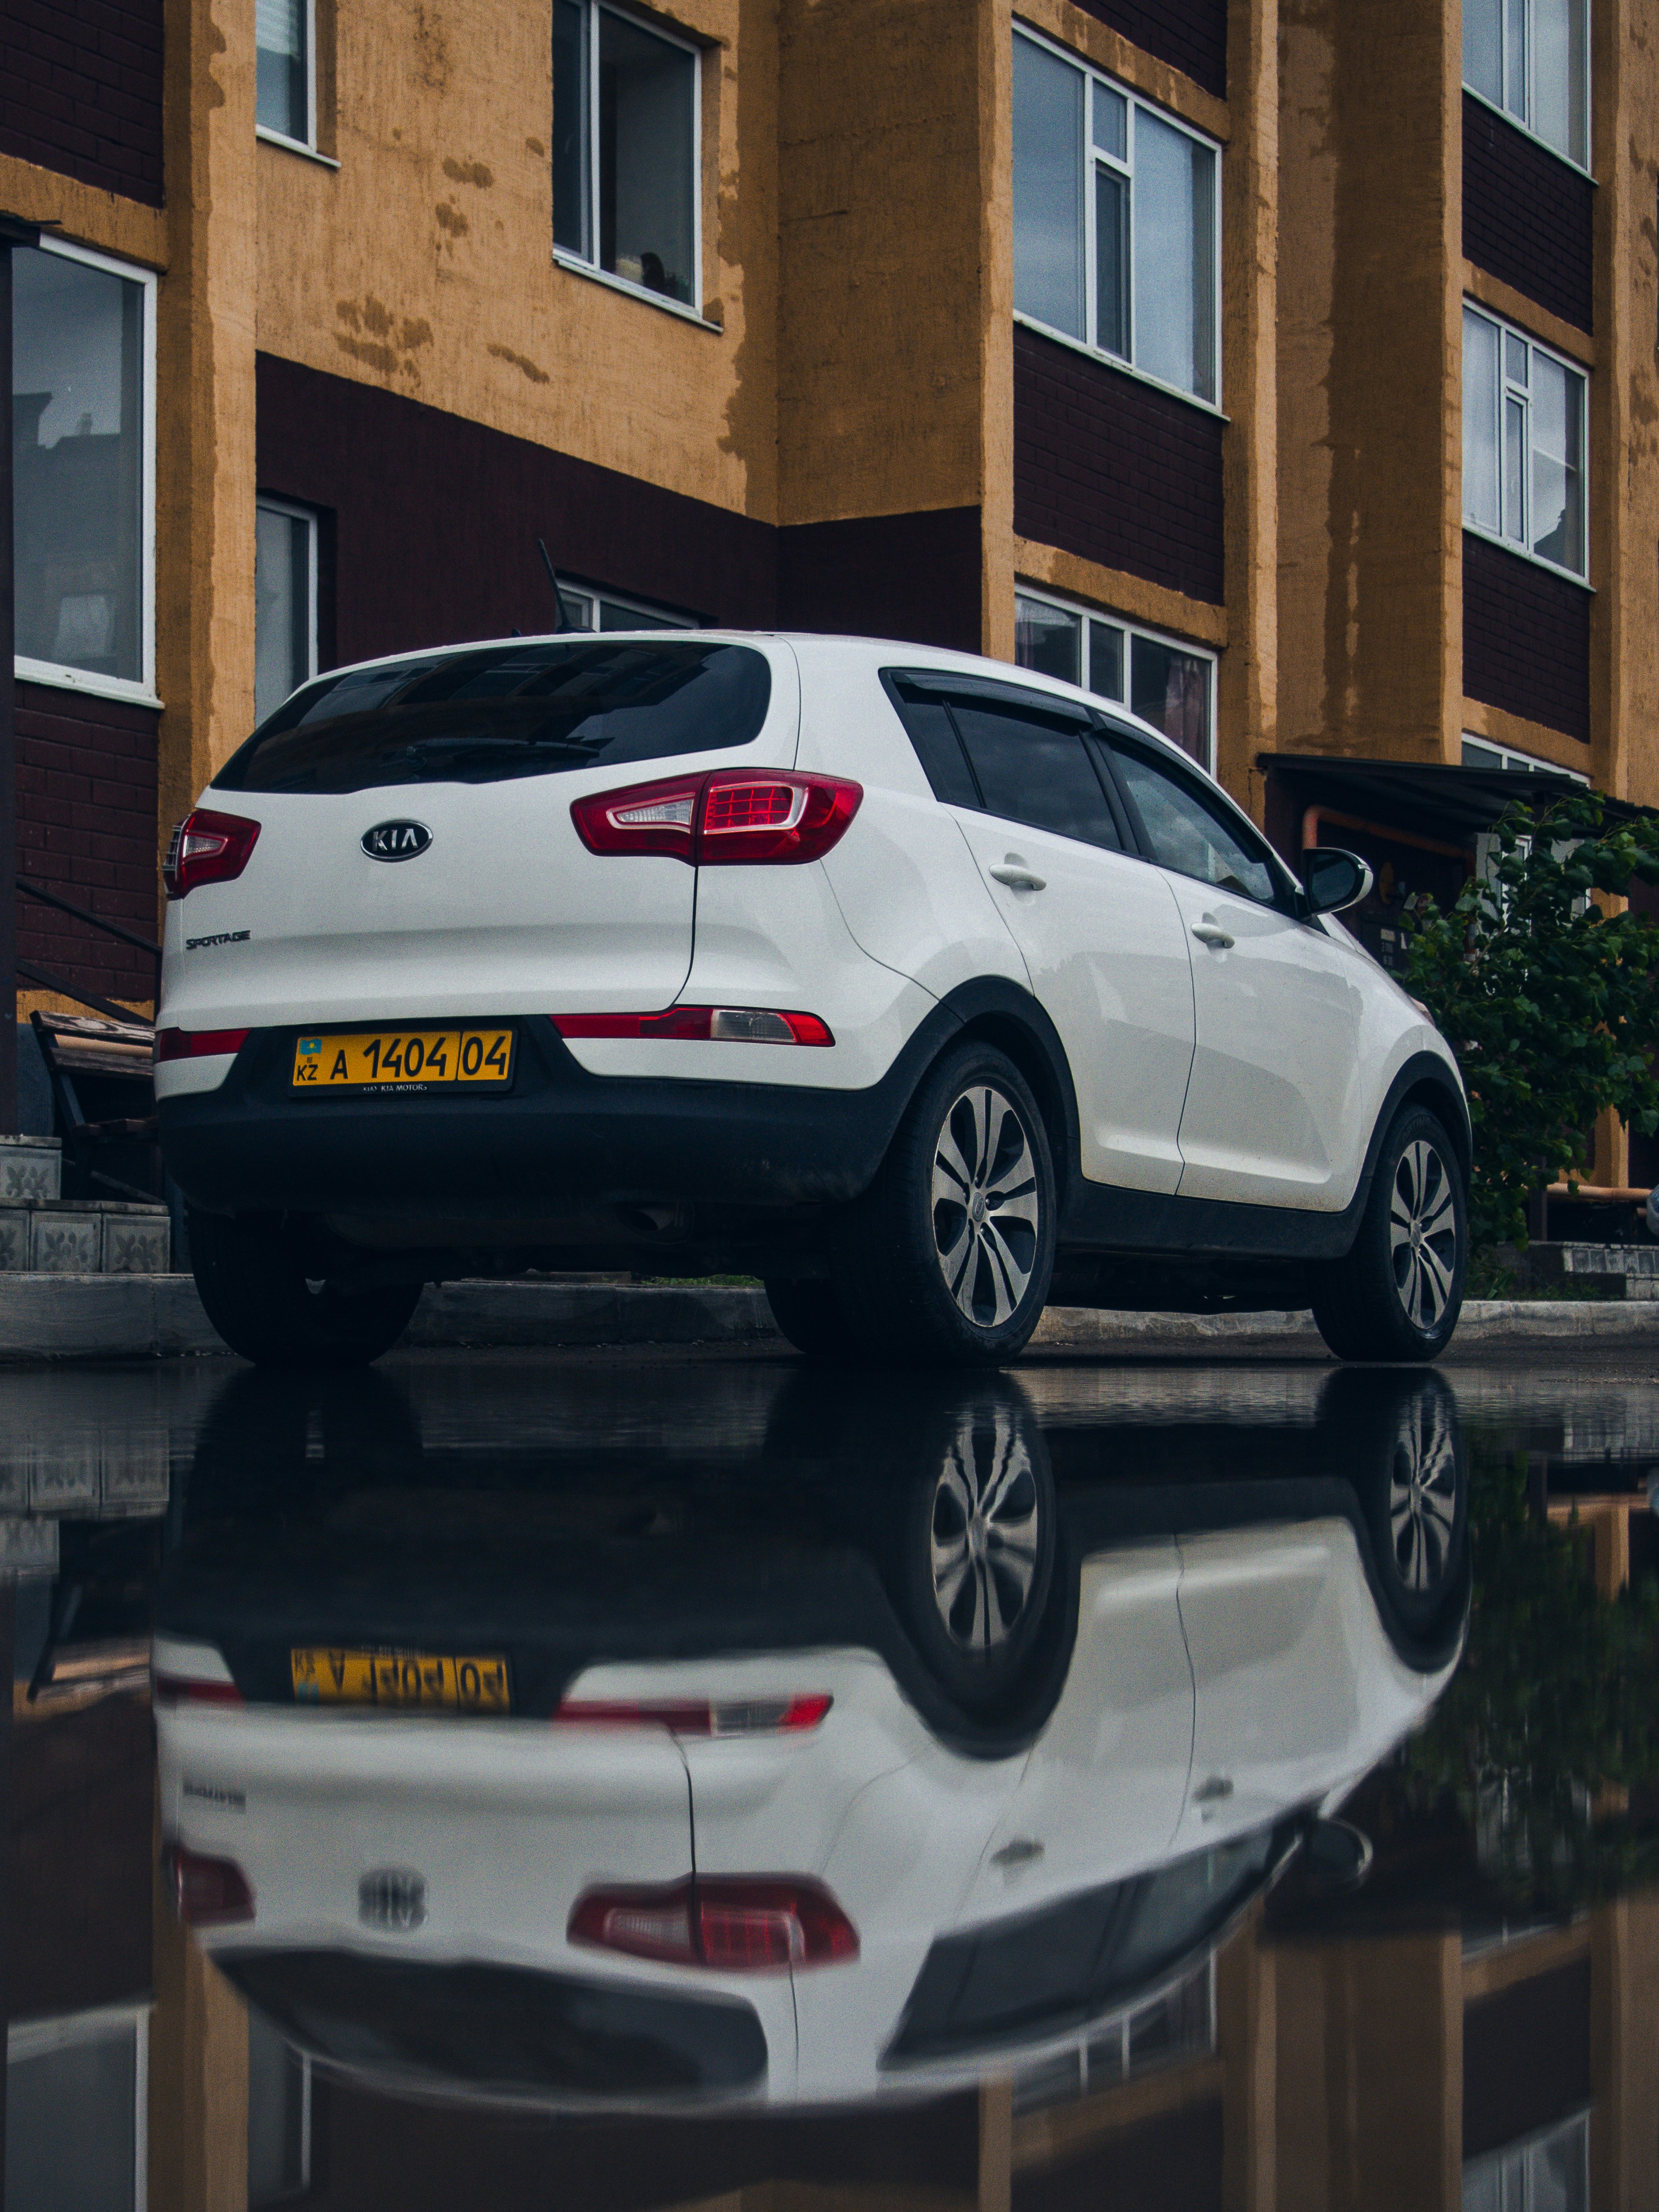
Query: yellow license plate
pixel 405 1060
pixel 325 1675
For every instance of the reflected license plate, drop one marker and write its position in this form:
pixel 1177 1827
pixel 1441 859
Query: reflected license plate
pixel 405 1060
pixel 326 1676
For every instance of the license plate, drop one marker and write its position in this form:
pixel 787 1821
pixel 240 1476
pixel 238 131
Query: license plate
pixel 405 1060
pixel 326 1676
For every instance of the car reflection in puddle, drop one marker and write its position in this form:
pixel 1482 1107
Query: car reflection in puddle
pixel 881 1741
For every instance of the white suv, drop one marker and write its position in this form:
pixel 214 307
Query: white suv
pixel 925 989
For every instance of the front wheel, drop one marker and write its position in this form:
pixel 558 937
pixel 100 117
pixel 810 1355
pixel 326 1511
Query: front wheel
pixel 946 1259
pixel 253 1284
pixel 1398 1294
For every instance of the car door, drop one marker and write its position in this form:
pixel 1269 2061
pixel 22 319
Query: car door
pixel 1101 934
pixel 1274 1108
pixel 1102 1788
pixel 1274 1620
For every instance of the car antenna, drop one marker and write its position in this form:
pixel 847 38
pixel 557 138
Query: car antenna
pixel 564 621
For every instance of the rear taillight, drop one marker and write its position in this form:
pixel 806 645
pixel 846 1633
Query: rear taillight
pixel 735 1923
pixel 787 1716
pixel 751 816
pixel 718 1024
pixel 207 849
pixel 189 1674
pixel 197 1044
pixel 206 1893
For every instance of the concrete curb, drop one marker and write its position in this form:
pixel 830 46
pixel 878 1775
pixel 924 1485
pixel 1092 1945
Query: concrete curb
pixel 49 1317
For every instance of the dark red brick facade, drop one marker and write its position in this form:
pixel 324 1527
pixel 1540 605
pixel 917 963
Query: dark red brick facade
pixel 86 829
pixel 1192 35
pixel 81 90
pixel 1115 470
pixel 430 524
pixel 1528 216
pixel 1526 639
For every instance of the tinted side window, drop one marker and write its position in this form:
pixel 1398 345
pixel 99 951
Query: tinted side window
pixel 1187 832
pixel 1034 770
pixel 930 732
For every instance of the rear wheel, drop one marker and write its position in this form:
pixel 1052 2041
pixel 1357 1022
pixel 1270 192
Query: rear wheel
pixel 810 1315
pixel 946 1259
pixel 1398 1294
pixel 252 1274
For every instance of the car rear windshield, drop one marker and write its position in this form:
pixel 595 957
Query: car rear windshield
pixel 504 711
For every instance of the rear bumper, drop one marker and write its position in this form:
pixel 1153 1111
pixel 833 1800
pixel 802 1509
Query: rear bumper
pixel 562 1141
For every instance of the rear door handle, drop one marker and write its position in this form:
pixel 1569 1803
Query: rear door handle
pixel 1210 932
pixel 1019 879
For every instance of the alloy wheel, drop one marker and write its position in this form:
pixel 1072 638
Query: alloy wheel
pixel 984 1534
pixel 1423 1234
pixel 984 1206
pixel 1422 1493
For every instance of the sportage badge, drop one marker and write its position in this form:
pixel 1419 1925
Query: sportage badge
pixel 396 841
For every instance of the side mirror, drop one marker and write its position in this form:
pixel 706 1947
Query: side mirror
pixel 1333 879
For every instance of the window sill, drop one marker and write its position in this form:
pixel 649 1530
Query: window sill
pixel 1123 367
pixel 579 268
pixel 55 679
pixel 293 146
pixel 1514 124
pixel 1524 553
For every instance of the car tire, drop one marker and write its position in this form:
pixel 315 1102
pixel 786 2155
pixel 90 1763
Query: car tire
pixel 1403 1442
pixel 926 1271
pixel 252 1278
pixel 1399 1291
pixel 810 1315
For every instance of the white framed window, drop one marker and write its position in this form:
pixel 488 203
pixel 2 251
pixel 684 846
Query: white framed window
pixel 77 2105
pixel 1481 752
pixel 1117 223
pixel 1545 2172
pixel 1523 443
pixel 285 602
pixel 285 39
pixel 587 609
pixel 627 156
pixel 83 431
pixel 1166 681
pixel 1530 60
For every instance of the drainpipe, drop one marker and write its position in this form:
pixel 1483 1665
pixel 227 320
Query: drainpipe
pixel 13 231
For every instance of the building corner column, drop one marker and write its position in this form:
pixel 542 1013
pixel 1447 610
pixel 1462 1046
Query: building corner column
pixel 1247 717
pixel 994 30
pixel 206 471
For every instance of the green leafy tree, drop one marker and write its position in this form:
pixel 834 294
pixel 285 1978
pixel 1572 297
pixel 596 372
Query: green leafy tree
pixel 1550 1002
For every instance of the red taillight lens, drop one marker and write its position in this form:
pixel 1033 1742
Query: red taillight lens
pixel 733 815
pixel 736 1923
pixel 721 1025
pixel 185 1690
pixel 197 1044
pixel 207 849
pixel 206 1893
pixel 700 1715
pixel 760 818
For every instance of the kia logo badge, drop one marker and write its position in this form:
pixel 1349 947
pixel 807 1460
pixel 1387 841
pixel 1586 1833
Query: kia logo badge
pixel 396 841
pixel 391 1897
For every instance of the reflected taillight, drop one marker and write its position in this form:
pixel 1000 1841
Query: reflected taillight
pixel 207 849
pixel 751 817
pixel 184 1689
pixel 206 1893
pixel 784 1716
pixel 734 1924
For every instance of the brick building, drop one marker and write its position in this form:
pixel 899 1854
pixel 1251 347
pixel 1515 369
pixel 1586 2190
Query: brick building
pixel 1284 368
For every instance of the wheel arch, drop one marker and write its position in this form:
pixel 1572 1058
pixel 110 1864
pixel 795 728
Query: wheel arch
pixel 1002 1014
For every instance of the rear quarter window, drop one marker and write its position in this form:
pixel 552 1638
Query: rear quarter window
pixel 502 712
